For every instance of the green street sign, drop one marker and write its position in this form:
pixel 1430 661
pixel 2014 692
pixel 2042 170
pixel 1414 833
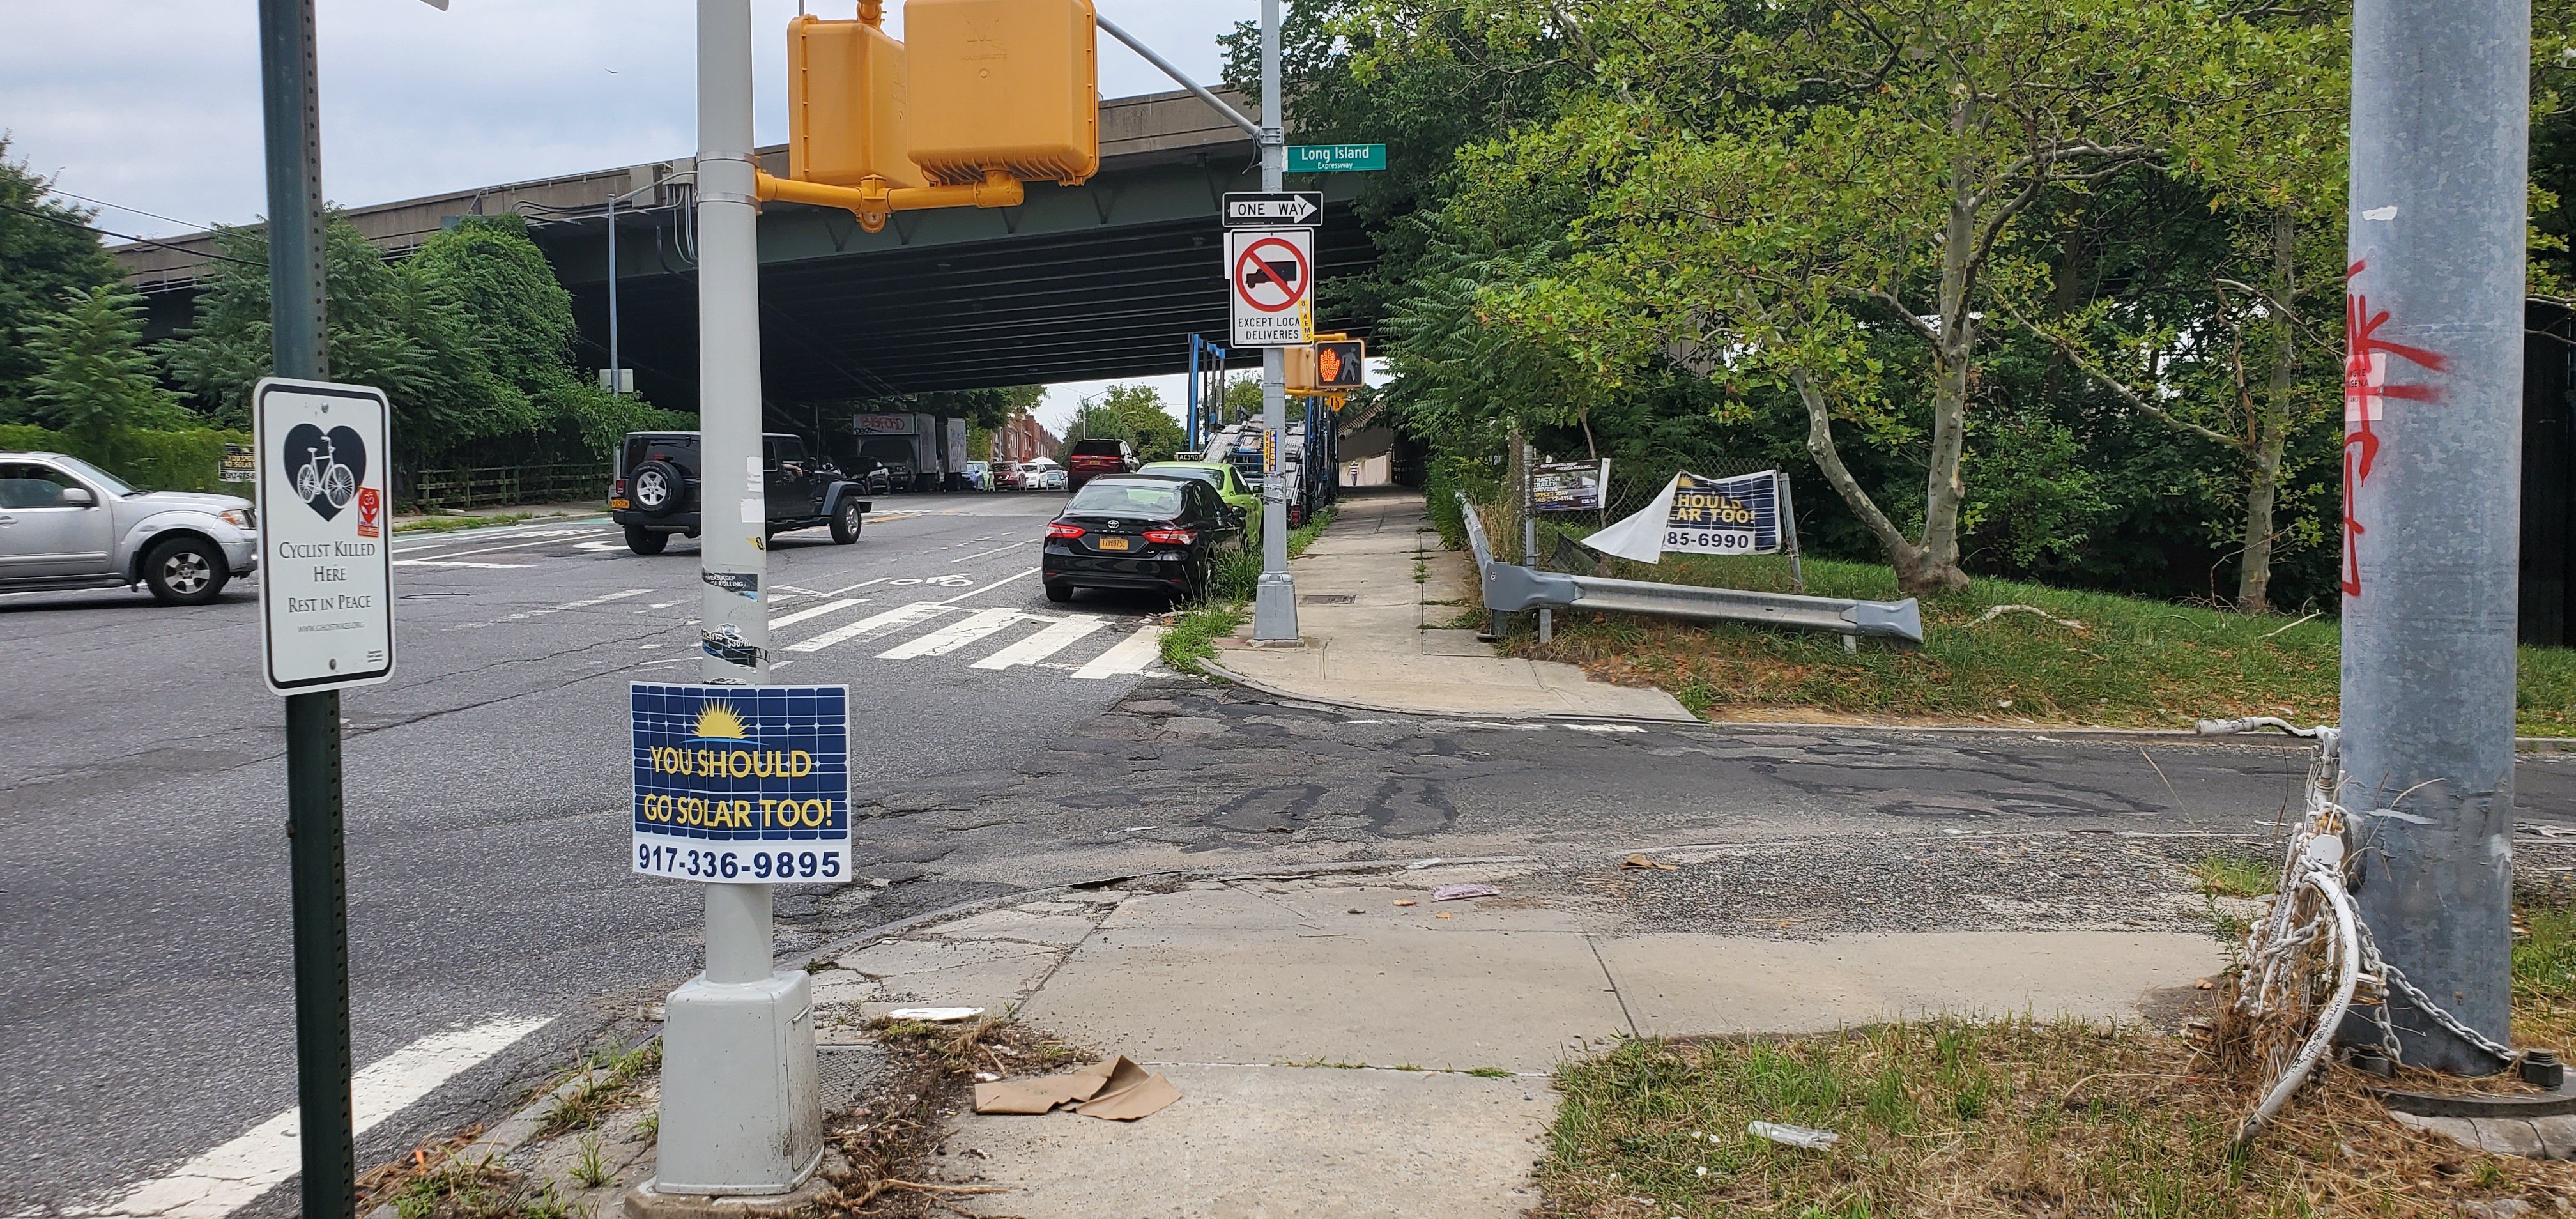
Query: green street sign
pixel 1330 158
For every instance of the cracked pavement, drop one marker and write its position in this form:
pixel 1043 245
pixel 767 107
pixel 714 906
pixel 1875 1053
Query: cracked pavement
pixel 142 801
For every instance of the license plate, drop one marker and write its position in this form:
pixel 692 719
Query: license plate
pixel 617 503
pixel 1113 543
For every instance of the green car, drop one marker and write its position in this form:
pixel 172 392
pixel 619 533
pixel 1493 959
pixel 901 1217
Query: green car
pixel 1229 487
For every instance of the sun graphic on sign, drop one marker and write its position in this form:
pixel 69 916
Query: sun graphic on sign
pixel 717 721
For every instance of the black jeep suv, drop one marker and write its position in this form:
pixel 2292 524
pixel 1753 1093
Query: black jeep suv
pixel 656 493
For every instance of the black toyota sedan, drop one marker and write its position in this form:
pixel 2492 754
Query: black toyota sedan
pixel 1138 531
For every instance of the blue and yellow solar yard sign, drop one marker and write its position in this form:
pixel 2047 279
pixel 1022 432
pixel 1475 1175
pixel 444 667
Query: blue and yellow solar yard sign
pixel 742 783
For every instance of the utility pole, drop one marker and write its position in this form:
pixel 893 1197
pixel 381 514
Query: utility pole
pixel 739 1115
pixel 291 116
pixel 2432 405
pixel 1274 604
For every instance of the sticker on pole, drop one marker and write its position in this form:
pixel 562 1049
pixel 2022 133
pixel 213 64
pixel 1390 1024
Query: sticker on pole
pixel 326 574
pixel 1270 277
pixel 747 784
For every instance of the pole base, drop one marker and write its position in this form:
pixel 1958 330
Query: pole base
pixel 647 1201
pixel 742 1113
pixel 1274 607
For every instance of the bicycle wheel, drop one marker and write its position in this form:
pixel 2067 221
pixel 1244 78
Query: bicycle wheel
pixel 308 483
pixel 340 485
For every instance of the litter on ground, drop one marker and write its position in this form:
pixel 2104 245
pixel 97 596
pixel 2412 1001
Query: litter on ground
pixel 935 1015
pixel 1117 1090
pixel 1794 1136
pixel 1451 893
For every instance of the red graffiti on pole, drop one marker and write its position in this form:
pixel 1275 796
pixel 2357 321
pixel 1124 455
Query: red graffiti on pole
pixel 2365 394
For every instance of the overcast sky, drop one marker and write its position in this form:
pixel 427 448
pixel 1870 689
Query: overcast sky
pixel 152 106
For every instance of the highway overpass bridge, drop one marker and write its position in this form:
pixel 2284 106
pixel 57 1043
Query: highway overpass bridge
pixel 1079 283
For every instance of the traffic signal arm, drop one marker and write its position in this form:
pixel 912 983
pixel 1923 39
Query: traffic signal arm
pixel 874 199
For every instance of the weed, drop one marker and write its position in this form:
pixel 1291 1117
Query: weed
pixel 1490 1073
pixel 600 1085
pixel 590 1168
pixel 477 1189
pixel 1421 572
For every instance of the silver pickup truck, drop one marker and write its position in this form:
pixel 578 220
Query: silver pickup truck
pixel 65 523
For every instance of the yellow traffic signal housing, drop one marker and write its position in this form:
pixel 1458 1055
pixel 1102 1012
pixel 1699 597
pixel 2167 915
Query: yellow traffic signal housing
pixel 846 103
pixel 1003 86
pixel 1297 366
pixel 1341 364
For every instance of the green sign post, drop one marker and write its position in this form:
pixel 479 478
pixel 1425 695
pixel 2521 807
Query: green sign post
pixel 1331 158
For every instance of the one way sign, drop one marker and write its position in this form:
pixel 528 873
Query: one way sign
pixel 1273 209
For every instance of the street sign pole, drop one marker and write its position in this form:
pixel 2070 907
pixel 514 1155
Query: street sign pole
pixel 291 114
pixel 2432 417
pixel 1274 604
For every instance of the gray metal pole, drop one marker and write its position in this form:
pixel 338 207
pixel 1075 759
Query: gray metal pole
pixel 2432 400
pixel 291 114
pixel 739 1115
pixel 732 502
pixel 1274 603
pixel 614 388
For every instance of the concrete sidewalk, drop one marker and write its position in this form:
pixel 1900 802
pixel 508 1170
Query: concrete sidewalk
pixel 1375 596
pixel 1340 1054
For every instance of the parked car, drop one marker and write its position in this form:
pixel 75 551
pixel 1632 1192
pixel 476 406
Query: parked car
pixel 1042 474
pixel 657 495
pixel 874 477
pixel 979 475
pixel 1229 487
pixel 65 523
pixel 1009 476
pixel 1089 459
pixel 1137 531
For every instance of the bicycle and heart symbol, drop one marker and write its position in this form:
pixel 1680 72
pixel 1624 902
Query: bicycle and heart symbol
pixel 326 467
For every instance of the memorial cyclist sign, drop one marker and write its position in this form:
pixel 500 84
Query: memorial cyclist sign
pixel 325 582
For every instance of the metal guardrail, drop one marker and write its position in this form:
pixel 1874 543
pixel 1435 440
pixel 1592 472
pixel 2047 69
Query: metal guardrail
pixel 1514 589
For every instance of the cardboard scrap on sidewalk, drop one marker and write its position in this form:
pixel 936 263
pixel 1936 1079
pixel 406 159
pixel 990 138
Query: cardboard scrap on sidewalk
pixel 1117 1090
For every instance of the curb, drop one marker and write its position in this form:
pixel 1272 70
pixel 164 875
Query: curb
pixel 1212 667
pixel 2165 736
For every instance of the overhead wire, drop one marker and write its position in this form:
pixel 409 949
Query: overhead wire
pixel 56 190
pixel 28 211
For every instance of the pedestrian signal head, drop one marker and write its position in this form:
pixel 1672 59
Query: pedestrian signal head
pixel 1341 364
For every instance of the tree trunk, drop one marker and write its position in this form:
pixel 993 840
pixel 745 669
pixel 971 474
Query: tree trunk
pixel 1903 555
pixel 1952 351
pixel 2272 430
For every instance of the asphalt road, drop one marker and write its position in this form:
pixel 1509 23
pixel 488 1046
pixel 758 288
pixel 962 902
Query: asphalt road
pixel 141 813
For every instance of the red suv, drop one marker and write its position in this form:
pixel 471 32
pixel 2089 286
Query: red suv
pixel 1090 459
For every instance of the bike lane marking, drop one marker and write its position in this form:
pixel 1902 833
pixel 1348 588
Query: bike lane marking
pixel 232 1175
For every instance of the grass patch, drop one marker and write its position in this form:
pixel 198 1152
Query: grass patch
pixel 2135 663
pixel 1237 576
pixel 476 1189
pixel 2024 1118
pixel 450 524
pixel 2013 1118
pixel 2236 876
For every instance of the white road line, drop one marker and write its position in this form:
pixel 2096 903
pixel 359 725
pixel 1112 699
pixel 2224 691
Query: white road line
pixel 813 611
pixel 967 558
pixel 587 603
pixel 548 539
pixel 989 587
pixel 225 1179
pixel 953 636
pixel 1045 643
pixel 453 563
pixel 1131 655
pixel 901 615
pixel 854 587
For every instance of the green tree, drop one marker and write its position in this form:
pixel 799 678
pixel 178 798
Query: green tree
pixel 1773 200
pixel 46 251
pixel 1135 414
pixel 94 382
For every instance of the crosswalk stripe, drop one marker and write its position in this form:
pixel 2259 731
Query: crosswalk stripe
pixel 586 604
pixel 899 615
pixel 813 611
pixel 953 636
pixel 233 1175
pixel 1130 655
pixel 1045 643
